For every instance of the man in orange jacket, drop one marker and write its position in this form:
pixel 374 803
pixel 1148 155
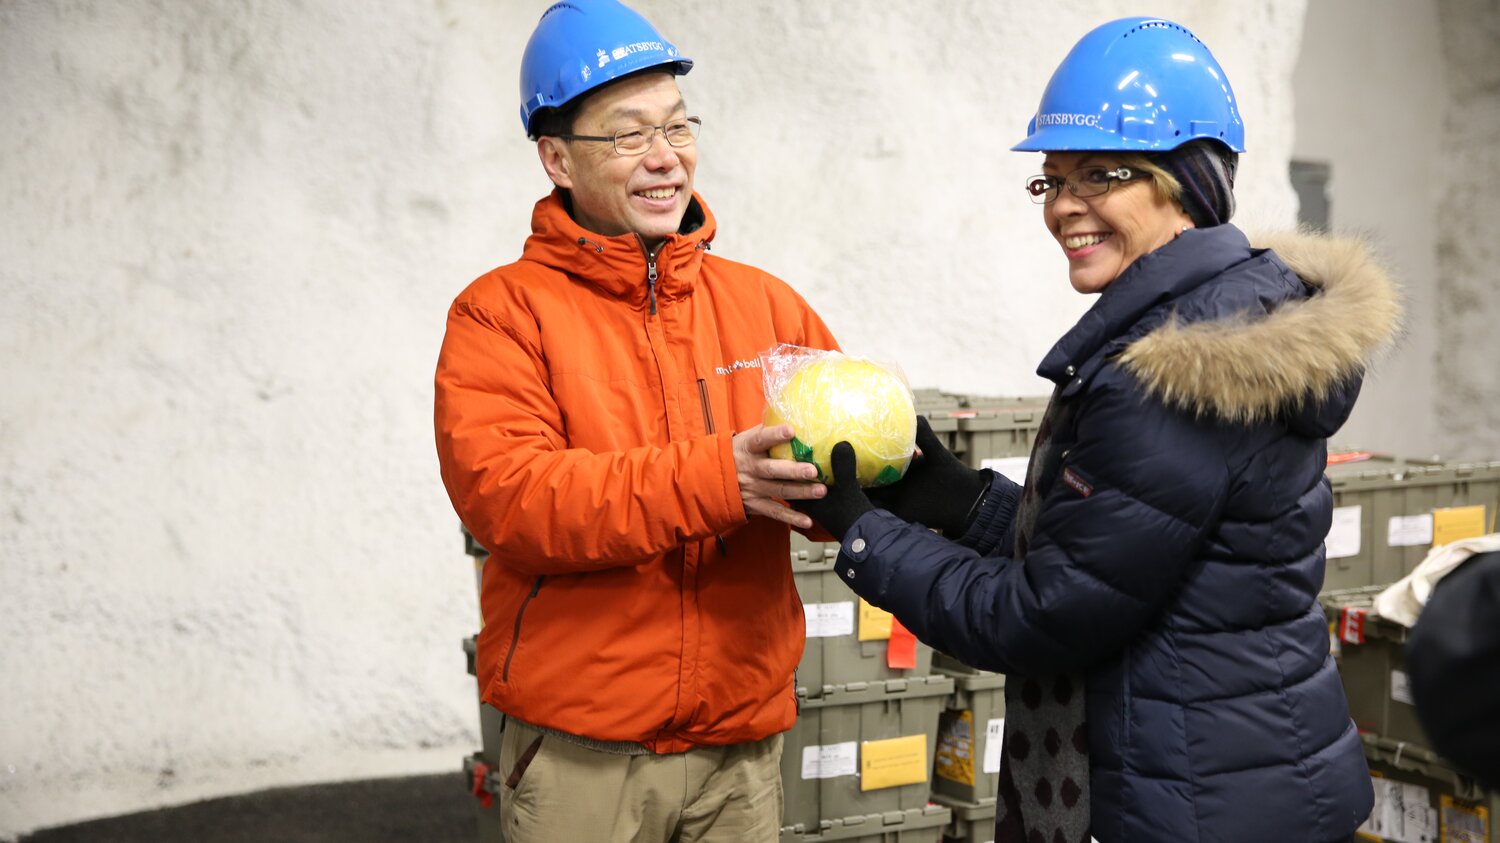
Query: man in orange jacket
pixel 597 415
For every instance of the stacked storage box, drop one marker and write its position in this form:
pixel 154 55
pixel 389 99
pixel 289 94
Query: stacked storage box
pixel 847 639
pixel 857 764
pixel 1418 797
pixel 1372 665
pixel 1388 513
pixel 966 771
pixel 875 714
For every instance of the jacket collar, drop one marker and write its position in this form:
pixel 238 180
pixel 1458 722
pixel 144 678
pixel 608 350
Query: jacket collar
pixel 618 265
pixel 1181 266
pixel 1303 361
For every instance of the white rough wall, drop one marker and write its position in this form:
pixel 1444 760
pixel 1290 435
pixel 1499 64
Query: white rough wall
pixel 231 235
pixel 1386 185
pixel 1468 253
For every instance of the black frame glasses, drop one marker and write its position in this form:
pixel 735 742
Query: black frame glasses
pixel 637 139
pixel 1083 182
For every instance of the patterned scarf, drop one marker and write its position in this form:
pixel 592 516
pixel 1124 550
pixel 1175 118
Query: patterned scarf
pixel 1044 780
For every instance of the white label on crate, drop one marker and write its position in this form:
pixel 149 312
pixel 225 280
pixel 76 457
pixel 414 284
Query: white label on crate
pixel 1013 468
pixel 826 620
pixel 1401 687
pixel 1409 530
pixel 994 734
pixel 1402 814
pixel 830 760
pixel 1343 536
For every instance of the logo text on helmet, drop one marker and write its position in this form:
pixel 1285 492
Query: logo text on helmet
pixel 638 47
pixel 1057 118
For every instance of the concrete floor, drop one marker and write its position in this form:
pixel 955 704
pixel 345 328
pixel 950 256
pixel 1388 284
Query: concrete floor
pixel 419 809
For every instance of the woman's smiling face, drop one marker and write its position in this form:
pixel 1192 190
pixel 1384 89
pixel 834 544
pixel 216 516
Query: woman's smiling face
pixel 1103 235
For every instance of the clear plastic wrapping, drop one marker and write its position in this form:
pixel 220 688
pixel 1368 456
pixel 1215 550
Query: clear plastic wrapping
pixel 830 397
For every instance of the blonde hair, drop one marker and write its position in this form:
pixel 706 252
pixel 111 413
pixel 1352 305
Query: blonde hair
pixel 1167 185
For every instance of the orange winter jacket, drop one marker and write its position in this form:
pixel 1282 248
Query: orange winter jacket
pixel 584 414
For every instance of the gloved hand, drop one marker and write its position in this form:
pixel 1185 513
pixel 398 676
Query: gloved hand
pixel 845 501
pixel 937 490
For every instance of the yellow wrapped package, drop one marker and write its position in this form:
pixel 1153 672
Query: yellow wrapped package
pixel 828 397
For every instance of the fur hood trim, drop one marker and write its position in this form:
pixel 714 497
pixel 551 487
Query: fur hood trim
pixel 1251 370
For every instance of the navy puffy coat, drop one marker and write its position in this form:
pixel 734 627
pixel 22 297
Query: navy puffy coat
pixel 1177 563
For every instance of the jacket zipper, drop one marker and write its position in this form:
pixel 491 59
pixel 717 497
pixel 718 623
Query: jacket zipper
pixel 515 637
pixel 708 427
pixel 650 271
pixel 651 280
pixel 708 409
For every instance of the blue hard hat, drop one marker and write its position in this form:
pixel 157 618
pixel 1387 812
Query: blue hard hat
pixel 580 45
pixel 1136 84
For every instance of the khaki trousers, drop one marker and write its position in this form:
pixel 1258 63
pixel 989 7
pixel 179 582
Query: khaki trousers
pixel 566 793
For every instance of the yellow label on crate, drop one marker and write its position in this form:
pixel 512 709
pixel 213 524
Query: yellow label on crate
pixel 874 622
pixel 893 762
pixel 955 747
pixel 1461 822
pixel 1457 522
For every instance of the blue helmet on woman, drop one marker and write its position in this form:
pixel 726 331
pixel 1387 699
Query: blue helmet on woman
pixel 1136 85
pixel 580 45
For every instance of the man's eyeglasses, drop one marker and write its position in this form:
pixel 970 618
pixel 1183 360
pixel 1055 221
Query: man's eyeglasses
pixel 635 140
pixel 1082 182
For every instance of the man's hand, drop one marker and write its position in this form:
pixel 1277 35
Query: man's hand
pixel 845 501
pixel 765 481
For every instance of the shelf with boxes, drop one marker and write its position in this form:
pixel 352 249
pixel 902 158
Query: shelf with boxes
pixel 862 748
pixel 1370 652
pixel 1389 512
pixel 1419 797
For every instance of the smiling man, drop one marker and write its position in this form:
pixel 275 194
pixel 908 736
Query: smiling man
pixel 641 622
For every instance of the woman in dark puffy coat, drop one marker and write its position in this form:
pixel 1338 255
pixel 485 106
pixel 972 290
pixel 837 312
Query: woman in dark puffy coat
pixel 1152 591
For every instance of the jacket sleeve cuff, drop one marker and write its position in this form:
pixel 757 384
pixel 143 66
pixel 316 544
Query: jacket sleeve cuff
pixel 862 570
pixel 992 523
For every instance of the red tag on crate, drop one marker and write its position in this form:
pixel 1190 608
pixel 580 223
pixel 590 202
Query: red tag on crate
pixel 476 787
pixel 901 650
pixel 1352 625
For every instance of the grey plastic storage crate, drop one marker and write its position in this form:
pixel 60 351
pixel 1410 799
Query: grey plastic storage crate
pixel 944 663
pixel 1372 665
pixel 999 427
pixel 833 654
pixel 966 765
pixel 917 825
pixel 1387 489
pixel 973 822
pixel 1418 796
pixel 936 399
pixel 980 427
pixel 822 754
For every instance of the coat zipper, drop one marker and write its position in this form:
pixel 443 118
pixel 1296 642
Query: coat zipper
pixel 708 427
pixel 650 271
pixel 515 637
pixel 651 281
pixel 708 410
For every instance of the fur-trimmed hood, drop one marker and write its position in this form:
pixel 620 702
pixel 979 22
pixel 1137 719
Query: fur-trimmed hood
pixel 1301 354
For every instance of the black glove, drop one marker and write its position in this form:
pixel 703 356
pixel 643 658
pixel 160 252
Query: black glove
pixel 845 501
pixel 937 490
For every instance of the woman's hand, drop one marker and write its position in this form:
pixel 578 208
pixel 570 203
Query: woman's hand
pixel 845 501
pixel 937 490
